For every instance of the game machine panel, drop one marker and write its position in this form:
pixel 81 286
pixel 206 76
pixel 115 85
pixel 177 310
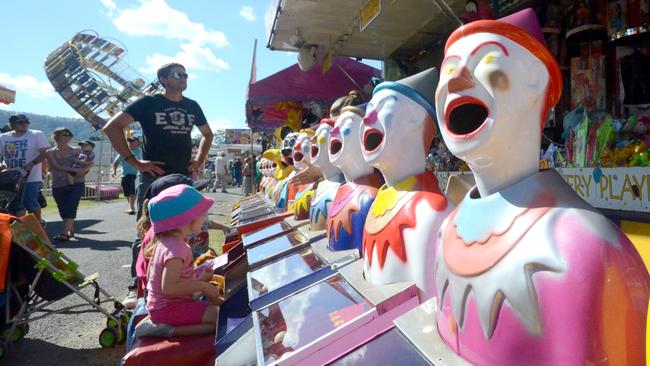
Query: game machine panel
pixel 269 232
pixel 339 318
pixel 279 247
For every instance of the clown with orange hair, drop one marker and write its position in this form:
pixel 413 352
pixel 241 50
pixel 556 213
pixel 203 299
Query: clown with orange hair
pixel 526 271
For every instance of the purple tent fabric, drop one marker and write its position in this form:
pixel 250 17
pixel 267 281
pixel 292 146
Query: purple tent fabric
pixel 291 84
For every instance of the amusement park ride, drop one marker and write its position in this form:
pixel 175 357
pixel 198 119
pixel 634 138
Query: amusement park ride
pixel 91 75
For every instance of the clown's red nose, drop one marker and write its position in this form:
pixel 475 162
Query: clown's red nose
pixel 370 118
pixel 461 80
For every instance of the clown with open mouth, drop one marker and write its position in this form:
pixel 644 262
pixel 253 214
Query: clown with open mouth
pixel 301 161
pixel 347 214
pixel 332 176
pixel 401 229
pixel 526 271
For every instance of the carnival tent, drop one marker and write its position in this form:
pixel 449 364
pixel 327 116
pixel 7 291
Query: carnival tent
pixel 272 100
pixel 7 96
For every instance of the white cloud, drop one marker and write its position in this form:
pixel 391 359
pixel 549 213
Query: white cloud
pixel 156 18
pixel 192 56
pixel 247 13
pixel 26 84
pixel 110 6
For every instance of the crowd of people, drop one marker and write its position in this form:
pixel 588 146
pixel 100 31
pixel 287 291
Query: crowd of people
pixel 232 173
pixel 29 152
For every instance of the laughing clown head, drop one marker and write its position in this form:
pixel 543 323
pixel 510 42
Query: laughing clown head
pixel 498 82
pixel 288 143
pixel 302 149
pixel 345 144
pixel 320 149
pixel 399 125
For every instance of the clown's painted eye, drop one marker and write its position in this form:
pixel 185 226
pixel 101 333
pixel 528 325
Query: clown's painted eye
pixel 490 58
pixel 449 70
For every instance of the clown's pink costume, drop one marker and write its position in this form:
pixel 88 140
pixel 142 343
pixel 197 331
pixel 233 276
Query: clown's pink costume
pixel 527 273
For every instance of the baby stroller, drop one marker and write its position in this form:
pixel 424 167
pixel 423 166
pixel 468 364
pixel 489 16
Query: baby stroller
pixel 34 275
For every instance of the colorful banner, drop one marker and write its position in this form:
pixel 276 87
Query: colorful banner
pixel 237 136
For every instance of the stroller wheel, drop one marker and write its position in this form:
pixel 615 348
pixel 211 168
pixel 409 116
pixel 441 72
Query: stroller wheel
pixel 108 337
pixel 122 315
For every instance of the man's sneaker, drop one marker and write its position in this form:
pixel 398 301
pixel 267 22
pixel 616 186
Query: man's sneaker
pixel 130 300
pixel 224 191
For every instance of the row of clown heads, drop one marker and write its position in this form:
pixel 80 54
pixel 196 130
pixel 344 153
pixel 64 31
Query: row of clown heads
pixel 524 271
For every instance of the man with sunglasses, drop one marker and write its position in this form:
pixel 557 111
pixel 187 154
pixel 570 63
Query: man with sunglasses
pixel 167 120
pixel 24 149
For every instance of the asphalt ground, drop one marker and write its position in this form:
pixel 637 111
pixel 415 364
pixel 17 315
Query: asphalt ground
pixel 104 234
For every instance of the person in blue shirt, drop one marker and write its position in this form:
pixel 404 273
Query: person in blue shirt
pixel 128 173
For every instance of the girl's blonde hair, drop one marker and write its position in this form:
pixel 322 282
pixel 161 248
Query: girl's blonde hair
pixel 144 223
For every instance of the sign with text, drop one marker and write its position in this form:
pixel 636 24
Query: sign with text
pixel 613 188
pixel 625 189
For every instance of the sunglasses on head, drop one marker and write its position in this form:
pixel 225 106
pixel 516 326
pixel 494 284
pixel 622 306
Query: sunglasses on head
pixel 179 75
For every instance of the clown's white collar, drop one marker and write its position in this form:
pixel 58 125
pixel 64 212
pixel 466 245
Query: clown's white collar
pixel 479 217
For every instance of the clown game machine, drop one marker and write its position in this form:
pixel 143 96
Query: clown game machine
pixel 334 307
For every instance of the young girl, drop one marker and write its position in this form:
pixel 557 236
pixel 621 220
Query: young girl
pixel 175 213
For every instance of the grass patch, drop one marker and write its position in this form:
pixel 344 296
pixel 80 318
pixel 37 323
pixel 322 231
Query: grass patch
pixel 52 208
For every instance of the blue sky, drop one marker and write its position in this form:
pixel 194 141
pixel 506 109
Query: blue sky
pixel 213 38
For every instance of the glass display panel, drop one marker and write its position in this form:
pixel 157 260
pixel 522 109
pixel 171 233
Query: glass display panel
pixel 307 315
pixel 255 213
pixel 275 246
pixel 284 271
pixel 388 349
pixel 256 219
pixel 265 232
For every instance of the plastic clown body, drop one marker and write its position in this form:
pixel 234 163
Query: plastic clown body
pixel 527 273
pixel 326 189
pixel 278 191
pixel 302 160
pixel 289 191
pixel 347 214
pixel 401 229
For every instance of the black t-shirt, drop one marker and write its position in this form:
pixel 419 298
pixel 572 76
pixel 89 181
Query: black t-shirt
pixel 167 129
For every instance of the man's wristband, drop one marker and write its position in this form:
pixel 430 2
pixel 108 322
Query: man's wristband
pixel 129 157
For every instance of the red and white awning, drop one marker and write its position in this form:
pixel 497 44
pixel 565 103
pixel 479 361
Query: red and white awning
pixel 7 96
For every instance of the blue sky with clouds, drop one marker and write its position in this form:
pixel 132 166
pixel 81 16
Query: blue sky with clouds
pixel 213 38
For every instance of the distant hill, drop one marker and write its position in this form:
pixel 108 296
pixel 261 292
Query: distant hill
pixel 81 129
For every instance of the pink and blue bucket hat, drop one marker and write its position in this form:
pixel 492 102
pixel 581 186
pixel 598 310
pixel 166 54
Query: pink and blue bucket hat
pixel 177 206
